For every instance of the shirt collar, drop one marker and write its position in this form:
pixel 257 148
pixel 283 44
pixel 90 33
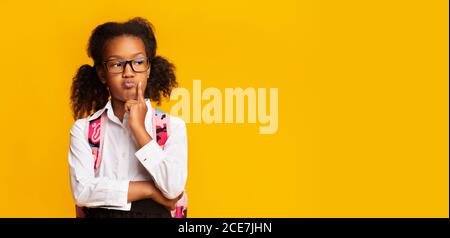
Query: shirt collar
pixel 100 112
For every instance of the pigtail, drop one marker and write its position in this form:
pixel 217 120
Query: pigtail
pixel 88 93
pixel 162 79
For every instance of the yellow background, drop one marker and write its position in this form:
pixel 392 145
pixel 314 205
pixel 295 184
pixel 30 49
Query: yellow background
pixel 363 103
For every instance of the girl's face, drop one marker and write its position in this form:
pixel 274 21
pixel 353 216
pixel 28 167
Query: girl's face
pixel 126 65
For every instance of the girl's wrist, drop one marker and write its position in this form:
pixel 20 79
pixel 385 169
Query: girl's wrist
pixel 141 135
pixel 137 129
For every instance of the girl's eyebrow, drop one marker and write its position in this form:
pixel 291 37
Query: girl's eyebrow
pixel 120 57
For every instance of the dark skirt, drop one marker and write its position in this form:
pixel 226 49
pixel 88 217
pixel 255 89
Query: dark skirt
pixel 139 209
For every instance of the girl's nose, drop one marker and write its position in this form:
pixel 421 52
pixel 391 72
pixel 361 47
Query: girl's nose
pixel 128 71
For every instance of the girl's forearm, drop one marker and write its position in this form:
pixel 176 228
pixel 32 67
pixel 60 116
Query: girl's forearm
pixel 142 137
pixel 139 190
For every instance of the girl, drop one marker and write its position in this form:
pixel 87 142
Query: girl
pixel 132 176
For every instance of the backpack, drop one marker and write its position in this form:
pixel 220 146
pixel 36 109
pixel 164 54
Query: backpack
pixel 161 121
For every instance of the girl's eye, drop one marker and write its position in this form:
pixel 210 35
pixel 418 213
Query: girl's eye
pixel 138 61
pixel 116 64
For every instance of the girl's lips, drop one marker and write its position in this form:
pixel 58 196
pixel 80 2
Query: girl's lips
pixel 129 84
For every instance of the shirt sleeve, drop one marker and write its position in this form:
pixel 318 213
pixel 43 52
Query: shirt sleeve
pixel 88 190
pixel 168 167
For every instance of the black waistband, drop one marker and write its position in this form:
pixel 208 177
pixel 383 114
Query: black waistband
pixel 143 208
pixel 148 205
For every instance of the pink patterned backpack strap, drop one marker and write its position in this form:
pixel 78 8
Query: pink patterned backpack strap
pixel 95 133
pixel 161 124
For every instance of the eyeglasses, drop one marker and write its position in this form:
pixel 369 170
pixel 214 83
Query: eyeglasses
pixel 116 66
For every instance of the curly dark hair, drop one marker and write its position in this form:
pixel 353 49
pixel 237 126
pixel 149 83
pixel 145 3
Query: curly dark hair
pixel 89 94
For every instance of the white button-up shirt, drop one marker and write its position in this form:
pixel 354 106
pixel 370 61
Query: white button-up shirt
pixel 122 162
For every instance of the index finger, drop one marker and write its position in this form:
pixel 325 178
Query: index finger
pixel 140 94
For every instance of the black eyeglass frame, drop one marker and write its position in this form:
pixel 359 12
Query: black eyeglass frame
pixel 125 62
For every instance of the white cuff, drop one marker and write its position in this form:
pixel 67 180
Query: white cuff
pixel 118 195
pixel 150 155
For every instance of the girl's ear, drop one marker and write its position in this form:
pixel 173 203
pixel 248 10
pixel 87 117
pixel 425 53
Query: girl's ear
pixel 100 74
